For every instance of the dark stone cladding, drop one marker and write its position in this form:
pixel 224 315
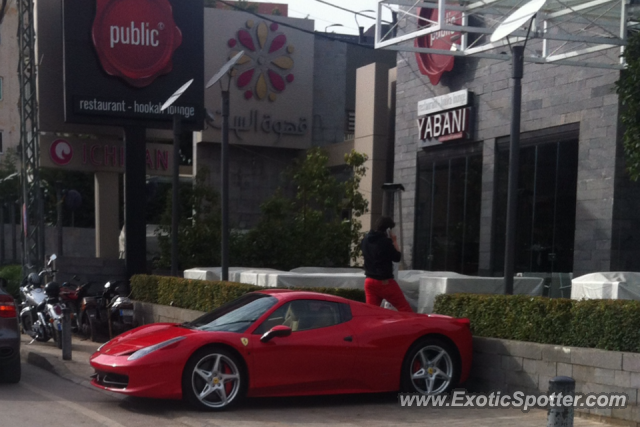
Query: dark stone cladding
pixel 607 226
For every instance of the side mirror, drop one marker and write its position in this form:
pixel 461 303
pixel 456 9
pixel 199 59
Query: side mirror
pixel 276 331
pixel 52 258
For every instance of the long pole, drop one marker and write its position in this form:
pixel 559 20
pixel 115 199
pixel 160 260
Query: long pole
pixel 514 161
pixel 59 229
pixel 224 168
pixel 3 231
pixel 175 212
pixel 135 201
pixel 12 220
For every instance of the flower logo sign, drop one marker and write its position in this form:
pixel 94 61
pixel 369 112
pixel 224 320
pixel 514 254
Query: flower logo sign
pixel 265 68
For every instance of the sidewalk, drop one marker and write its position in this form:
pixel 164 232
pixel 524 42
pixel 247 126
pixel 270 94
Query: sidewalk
pixel 78 370
pixel 49 357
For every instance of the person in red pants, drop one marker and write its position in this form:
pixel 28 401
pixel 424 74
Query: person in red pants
pixel 380 251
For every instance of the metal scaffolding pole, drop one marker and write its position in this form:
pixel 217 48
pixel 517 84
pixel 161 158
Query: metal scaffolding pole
pixel 32 218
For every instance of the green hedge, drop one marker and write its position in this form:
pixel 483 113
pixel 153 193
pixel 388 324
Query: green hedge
pixel 204 295
pixel 13 275
pixel 604 324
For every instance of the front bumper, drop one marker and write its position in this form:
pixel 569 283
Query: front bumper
pixel 153 377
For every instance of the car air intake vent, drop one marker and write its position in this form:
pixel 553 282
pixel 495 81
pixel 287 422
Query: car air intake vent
pixel 110 380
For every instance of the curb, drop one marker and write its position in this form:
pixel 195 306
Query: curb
pixel 53 365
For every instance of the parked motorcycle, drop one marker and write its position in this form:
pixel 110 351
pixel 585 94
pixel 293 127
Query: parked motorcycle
pixel 41 310
pixel 110 312
pixel 72 295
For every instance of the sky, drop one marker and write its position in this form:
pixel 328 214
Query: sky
pixel 325 15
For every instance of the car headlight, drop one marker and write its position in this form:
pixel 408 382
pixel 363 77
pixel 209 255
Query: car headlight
pixel 100 348
pixel 144 351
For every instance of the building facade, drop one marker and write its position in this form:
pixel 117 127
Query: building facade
pixel 317 97
pixel 577 208
pixel 9 84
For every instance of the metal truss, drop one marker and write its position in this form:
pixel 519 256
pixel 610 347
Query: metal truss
pixel 588 33
pixel 32 208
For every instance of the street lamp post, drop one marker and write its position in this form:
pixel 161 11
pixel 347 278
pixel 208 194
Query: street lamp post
pixel 512 23
pixel 224 164
pixel 175 200
pixel 332 25
pixel 361 29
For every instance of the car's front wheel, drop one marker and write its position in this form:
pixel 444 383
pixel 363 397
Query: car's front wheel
pixel 431 366
pixel 213 379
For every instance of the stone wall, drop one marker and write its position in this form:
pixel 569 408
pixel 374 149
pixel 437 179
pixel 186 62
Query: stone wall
pixel 146 313
pixel 509 366
pixel 76 242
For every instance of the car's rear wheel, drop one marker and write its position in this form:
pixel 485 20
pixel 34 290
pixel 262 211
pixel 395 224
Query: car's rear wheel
pixel 12 371
pixel 431 366
pixel 214 379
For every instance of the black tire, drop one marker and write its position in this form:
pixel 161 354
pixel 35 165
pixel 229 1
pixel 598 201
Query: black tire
pixel 88 327
pixel 442 370
pixel 43 336
pixel 57 337
pixel 12 371
pixel 222 395
pixel 93 329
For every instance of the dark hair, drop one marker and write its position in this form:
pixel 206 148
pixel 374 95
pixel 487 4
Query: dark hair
pixel 384 222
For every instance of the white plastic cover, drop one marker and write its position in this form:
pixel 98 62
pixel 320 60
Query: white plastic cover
pixel 607 285
pixel 419 287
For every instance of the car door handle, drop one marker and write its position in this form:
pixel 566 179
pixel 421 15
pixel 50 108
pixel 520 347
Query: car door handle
pixel 349 338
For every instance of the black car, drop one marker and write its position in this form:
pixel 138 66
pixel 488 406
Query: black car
pixel 10 370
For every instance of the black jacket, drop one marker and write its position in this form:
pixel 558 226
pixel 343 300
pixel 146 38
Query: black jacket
pixel 379 253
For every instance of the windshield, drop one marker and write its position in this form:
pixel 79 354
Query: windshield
pixel 235 316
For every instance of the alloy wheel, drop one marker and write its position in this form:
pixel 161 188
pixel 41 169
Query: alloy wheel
pixel 215 380
pixel 431 369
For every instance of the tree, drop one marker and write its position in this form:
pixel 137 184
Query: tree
pixel 199 232
pixel 628 88
pixel 318 226
pixel 9 179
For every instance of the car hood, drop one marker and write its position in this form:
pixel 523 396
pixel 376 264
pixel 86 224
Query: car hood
pixel 144 336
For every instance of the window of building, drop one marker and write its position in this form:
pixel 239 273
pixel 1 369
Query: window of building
pixel 448 195
pixel 547 184
pixel 350 129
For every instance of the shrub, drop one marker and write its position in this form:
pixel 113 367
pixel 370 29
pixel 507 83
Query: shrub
pixel 13 275
pixel 604 324
pixel 205 295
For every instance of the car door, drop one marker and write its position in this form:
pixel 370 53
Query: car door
pixel 317 357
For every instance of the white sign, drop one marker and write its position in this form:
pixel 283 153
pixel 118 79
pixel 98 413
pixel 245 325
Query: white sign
pixel 443 102
pixel 445 126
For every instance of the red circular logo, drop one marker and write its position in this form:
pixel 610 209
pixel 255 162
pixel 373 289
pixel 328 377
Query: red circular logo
pixel 431 64
pixel 61 152
pixel 135 39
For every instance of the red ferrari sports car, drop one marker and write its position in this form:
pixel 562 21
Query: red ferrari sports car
pixel 286 343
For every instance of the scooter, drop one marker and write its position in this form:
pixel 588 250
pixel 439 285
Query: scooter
pixel 110 312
